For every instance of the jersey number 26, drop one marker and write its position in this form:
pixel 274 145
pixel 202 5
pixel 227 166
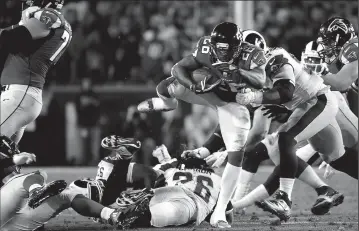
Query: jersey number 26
pixel 202 184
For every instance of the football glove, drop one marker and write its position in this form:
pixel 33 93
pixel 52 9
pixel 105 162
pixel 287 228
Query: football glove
pixel 277 112
pixel 200 153
pixel 161 153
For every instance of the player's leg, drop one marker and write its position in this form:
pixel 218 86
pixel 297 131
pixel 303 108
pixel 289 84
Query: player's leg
pixel 306 121
pixel 234 121
pixel 348 123
pixel 352 97
pixel 333 152
pixel 14 194
pixel 17 110
pixel 255 152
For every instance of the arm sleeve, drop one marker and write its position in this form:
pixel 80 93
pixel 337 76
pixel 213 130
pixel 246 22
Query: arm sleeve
pixel 215 142
pixel 281 92
pixel 15 40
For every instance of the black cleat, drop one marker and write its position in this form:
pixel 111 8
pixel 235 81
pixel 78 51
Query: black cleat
pixel 39 195
pixel 327 198
pixel 131 206
pixel 280 206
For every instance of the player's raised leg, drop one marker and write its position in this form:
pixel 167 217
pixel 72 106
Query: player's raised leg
pixel 20 105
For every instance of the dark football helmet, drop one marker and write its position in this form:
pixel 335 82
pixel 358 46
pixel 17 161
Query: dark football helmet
pixel 225 41
pixel 312 60
pixel 55 4
pixel 255 38
pixel 333 34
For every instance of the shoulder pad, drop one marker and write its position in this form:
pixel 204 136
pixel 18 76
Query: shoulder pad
pixel 252 56
pixel 349 52
pixel 52 18
pixel 202 51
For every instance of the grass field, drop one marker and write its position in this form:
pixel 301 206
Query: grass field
pixel 341 218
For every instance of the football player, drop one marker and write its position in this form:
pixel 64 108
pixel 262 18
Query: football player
pixel 234 65
pixel 118 172
pixel 33 46
pixel 114 174
pixel 81 195
pixel 18 189
pixel 340 52
pixel 188 196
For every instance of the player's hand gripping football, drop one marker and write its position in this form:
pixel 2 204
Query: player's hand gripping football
pixel 200 153
pixel 23 158
pixel 217 159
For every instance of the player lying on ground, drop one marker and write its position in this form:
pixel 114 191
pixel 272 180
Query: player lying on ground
pixel 84 200
pixel 198 192
pixel 233 65
pixel 189 193
pixel 32 47
pixel 88 196
pixel 19 189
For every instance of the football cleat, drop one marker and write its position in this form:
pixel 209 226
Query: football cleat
pixel 39 195
pixel 133 205
pixel 280 206
pixel 125 147
pixel 157 104
pixel 327 198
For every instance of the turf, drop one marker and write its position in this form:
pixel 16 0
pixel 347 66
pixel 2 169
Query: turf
pixel 341 218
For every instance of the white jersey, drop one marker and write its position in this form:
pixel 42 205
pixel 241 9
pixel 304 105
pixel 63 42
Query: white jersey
pixel 202 186
pixel 202 183
pixel 31 219
pixel 307 85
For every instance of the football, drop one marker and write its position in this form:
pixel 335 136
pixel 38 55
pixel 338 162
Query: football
pixel 200 74
pixel 205 80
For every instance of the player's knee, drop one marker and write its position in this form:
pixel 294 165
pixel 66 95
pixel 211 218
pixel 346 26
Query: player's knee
pixel 286 139
pixel 254 157
pixel 162 89
pixel 176 89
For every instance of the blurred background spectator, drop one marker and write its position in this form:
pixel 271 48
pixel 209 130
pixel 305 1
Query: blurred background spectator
pixel 125 48
pixel 88 116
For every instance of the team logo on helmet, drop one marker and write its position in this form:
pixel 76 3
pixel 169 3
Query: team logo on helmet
pixel 338 24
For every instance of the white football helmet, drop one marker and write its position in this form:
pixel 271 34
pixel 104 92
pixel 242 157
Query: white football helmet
pixel 312 60
pixel 90 188
pixel 255 38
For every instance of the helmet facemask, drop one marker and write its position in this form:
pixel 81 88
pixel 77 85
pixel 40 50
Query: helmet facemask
pixel 330 48
pixel 225 52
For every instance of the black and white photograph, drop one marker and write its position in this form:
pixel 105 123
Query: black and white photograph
pixel 179 115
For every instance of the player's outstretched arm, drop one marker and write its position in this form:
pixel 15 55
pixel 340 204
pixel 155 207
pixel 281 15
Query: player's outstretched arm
pixel 342 80
pixel 255 77
pixel 182 71
pixel 282 91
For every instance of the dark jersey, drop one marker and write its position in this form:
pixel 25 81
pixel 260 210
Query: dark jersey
pixel 113 170
pixel 249 58
pixel 348 54
pixel 31 66
pixel 6 167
